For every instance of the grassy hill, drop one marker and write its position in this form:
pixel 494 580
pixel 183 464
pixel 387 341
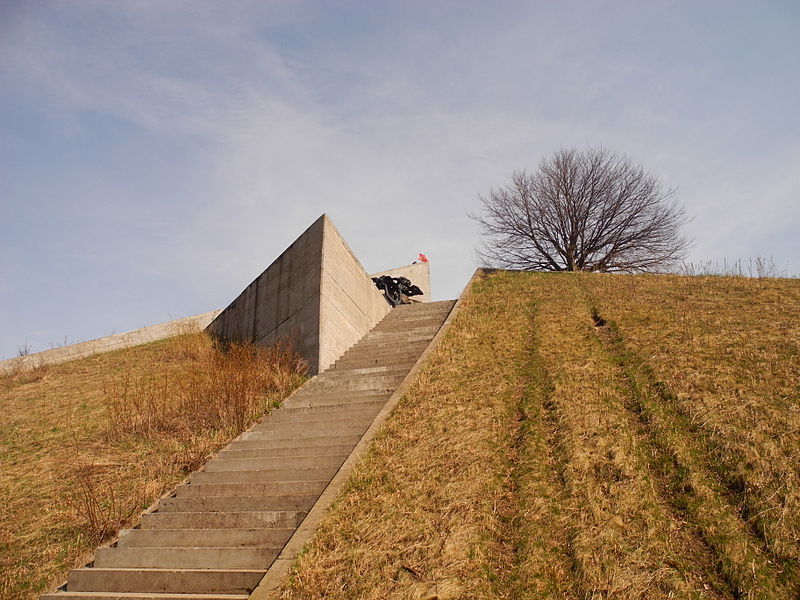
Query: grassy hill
pixel 85 446
pixel 584 436
pixel 575 436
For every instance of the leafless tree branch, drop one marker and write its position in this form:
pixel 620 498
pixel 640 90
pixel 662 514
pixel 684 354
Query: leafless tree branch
pixel 583 211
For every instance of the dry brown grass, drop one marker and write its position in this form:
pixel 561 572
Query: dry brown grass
pixel 86 445
pixel 539 455
pixel 716 365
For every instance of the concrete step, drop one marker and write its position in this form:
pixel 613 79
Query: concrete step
pixel 345 373
pixel 370 360
pixel 269 519
pixel 418 325
pixel 197 538
pixel 385 344
pixel 294 432
pixel 295 442
pixel 186 581
pixel 344 413
pixel 139 596
pixel 377 338
pixel 236 503
pixel 410 311
pixel 399 357
pixel 235 475
pixel 258 557
pixel 275 464
pixel 373 384
pixel 344 424
pixel 356 374
pixel 258 488
pixel 330 398
pixel 278 453
pixel 399 338
pixel 369 371
pixel 332 409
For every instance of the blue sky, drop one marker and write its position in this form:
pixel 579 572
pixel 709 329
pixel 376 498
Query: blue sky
pixel 156 156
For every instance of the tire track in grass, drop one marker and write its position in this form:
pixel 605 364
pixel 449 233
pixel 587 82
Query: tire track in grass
pixel 689 485
pixel 625 541
pixel 542 562
pixel 732 374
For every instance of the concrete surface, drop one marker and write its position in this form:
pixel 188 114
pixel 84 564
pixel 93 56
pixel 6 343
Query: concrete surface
pixel 316 294
pixel 116 341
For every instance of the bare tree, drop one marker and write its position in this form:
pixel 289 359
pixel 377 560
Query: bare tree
pixel 583 211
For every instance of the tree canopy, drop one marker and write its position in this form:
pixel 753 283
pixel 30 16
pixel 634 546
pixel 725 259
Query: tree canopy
pixel 583 211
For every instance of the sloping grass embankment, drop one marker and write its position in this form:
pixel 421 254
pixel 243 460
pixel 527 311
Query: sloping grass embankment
pixel 583 436
pixel 85 446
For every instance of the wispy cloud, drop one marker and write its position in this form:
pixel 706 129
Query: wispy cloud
pixel 175 149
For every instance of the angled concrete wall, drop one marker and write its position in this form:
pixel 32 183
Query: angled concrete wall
pixel 116 341
pixel 350 304
pixel 420 275
pixel 282 302
pixel 316 293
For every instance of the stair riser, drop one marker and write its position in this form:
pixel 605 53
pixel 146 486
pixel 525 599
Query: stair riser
pixel 366 360
pixel 334 399
pixel 197 538
pixel 354 423
pixel 277 464
pixel 286 453
pixel 169 581
pixel 387 349
pixel 328 416
pixel 377 385
pixel 241 520
pixel 270 488
pixel 185 558
pixel 357 374
pixel 317 432
pixel 303 443
pixel 363 407
pixel 236 503
pixel 237 475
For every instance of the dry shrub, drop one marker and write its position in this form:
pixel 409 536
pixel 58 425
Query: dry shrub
pixel 220 390
pixel 87 444
pixel 103 516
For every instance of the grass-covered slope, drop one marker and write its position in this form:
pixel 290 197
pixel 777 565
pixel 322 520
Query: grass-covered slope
pixel 86 445
pixel 584 436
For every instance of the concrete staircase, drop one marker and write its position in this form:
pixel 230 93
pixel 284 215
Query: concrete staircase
pixel 215 538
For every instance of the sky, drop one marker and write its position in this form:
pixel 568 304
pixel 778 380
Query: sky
pixel 155 157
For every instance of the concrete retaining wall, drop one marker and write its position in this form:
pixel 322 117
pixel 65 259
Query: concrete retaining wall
pixel 116 341
pixel 316 293
pixel 282 302
pixel 420 275
pixel 350 304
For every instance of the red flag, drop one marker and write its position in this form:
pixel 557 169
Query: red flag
pixel 422 257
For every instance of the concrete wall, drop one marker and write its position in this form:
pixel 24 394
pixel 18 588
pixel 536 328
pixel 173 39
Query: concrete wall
pixel 282 302
pixel 420 275
pixel 316 293
pixel 350 304
pixel 109 343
